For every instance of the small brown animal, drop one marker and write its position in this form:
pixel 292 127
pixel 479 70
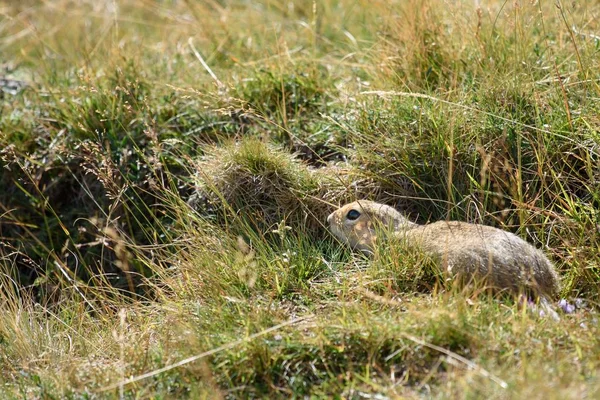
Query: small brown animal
pixel 467 251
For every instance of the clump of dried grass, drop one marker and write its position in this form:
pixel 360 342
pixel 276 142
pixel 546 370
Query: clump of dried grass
pixel 264 185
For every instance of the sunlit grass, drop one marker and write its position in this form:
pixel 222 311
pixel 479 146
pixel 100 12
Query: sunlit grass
pixel 167 168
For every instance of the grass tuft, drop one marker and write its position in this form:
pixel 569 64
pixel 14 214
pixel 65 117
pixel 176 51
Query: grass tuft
pixel 166 170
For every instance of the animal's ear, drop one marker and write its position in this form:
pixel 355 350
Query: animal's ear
pixel 385 222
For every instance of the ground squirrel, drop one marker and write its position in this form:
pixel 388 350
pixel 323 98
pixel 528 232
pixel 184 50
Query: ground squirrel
pixel 469 251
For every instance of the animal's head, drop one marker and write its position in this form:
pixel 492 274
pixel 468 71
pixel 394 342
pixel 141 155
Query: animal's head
pixel 359 223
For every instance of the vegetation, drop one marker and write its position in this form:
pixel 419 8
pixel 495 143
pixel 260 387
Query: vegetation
pixel 166 169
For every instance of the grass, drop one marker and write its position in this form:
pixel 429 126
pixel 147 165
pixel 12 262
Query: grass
pixel 167 169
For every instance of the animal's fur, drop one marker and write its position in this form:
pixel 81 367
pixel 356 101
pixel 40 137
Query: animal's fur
pixel 466 251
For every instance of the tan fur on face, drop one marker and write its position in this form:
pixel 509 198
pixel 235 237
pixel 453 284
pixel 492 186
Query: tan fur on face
pixel 466 250
pixel 360 234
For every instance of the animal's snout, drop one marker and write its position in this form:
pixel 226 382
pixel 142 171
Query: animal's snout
pixel 330 218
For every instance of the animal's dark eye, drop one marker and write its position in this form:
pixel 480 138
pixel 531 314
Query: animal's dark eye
pixel 352 215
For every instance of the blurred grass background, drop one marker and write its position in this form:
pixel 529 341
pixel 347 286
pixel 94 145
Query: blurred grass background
pixel 167 167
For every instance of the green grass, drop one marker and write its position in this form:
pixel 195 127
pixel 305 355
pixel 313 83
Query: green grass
pixel 166 169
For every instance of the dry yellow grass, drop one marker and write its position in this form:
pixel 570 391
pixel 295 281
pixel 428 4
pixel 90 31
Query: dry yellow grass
pixel 115 113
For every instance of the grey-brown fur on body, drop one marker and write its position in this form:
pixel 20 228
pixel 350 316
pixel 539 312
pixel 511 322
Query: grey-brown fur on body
pixel 468 251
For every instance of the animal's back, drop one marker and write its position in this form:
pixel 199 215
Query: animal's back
pixel 501 258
